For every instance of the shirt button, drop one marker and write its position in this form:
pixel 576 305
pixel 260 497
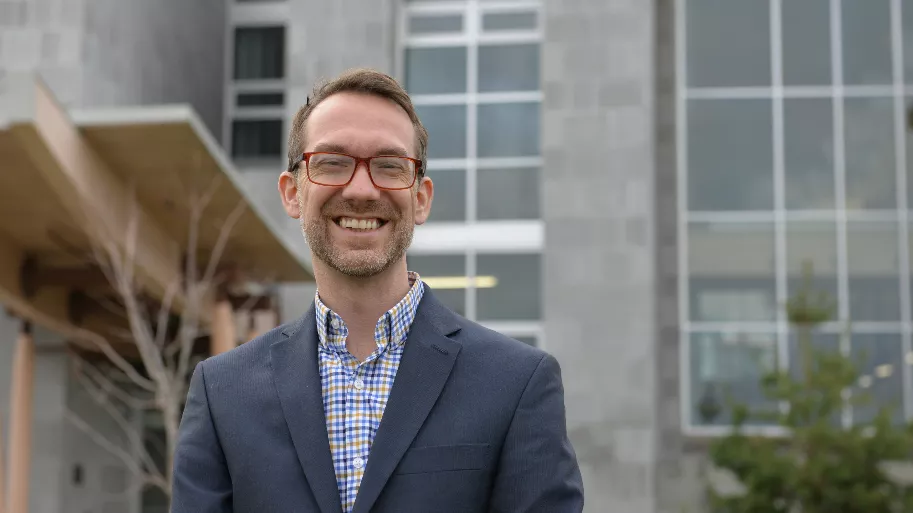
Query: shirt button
pixel 359 463
pixel 359 384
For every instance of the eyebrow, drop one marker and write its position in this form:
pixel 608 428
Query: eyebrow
pixel 338 148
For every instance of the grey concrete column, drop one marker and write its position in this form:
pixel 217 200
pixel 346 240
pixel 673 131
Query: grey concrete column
pixel 598 209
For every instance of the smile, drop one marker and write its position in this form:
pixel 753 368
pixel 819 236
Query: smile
pixel 363 225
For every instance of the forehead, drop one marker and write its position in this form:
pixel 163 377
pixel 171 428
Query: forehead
pixel 360 123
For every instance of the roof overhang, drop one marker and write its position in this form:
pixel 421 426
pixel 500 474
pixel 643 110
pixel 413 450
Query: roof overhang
pixel 66 174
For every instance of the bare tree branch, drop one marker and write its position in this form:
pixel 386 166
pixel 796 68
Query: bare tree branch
pixel 154 477
pixel 117 360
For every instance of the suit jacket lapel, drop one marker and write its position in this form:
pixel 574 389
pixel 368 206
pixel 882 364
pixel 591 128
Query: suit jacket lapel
pixel 294 363
pixel 426 363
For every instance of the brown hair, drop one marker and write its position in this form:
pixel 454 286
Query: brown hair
pixel 359 80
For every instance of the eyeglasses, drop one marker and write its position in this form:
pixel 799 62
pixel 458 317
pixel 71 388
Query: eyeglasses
pixel 338 169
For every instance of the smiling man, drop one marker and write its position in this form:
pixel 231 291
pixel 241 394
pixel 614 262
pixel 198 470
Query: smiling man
pixel 378 399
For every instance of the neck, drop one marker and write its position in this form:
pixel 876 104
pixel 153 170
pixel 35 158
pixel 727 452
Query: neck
pixel 361 301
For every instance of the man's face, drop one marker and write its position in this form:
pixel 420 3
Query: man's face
pixel 357 230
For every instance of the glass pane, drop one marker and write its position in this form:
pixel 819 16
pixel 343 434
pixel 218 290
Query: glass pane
pixel 812 245
pixel 728 367
pixel 730 155
pixel 879 360
pixel 866 42
pixel 806 42
pixel 508 21
pixel 871 181
pixel 508 287
pixel 508 68
pixel 908 42
pixel 446 275
pixel 527 340
pixel 436 70
pixel 728 43
pixel 259 52
pixel 446 125
pixel 508 193
pixel 256 138
pixel 908 147
pixel 449 195
pixel 260 99
pixel 508 130
pixel 809 153
pixel 731 274
pixel 874 284
pixel 429 24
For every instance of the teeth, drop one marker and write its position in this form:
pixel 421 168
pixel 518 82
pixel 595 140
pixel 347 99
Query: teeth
pixel 359 224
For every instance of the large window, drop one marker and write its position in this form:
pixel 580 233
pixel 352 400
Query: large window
pixel 794 149
pixel 257 94
pixel 472 69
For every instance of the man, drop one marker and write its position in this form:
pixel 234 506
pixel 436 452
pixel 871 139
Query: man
pixel 378 398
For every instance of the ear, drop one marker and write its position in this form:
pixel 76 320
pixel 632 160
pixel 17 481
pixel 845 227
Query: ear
pixel 424 194
pixel 288 191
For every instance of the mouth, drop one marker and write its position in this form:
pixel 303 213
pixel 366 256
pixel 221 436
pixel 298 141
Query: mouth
pixel 359 225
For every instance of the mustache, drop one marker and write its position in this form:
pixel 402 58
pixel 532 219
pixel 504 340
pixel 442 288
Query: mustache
pixel 379 209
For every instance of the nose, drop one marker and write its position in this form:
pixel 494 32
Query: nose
pixel 361 186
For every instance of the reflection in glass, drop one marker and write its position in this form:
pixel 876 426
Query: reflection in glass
pixel 907 28
pixel 449 194
pixel 874 284
pixel 806 42
pixel 510 67
pixel 814 244
pixel 508 129
pixel 446 125
pixel 516 294
pixel 728 43
pixel 520 20
pixel 433 267
pixel 430 24
pixel 259 53
pixel 532 341
pixel 730 155
pixel 731 272
pixel 728 367
pixel 508 193
pixel 436 70
pixel 879 359
pixel 871 181
pixel 809 153
pixel 866 42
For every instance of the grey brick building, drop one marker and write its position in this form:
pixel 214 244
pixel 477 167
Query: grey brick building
pixel 632 185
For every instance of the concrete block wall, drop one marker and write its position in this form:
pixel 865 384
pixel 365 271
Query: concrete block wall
pixel 120 52
pixel 139 52
pixel 45 36
pixel 326 38
pixel 599 213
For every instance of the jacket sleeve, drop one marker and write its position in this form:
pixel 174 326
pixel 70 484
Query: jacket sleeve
pixel 201 482
pixel 538 470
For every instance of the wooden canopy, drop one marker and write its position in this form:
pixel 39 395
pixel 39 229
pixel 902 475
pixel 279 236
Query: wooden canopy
pixel 67 176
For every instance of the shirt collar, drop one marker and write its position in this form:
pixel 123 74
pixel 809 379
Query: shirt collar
pixel 392 327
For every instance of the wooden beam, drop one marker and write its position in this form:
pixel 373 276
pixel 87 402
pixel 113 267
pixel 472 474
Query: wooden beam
pixel 91 193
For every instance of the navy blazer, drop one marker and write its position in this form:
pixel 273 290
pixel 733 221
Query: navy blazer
pixel 475 422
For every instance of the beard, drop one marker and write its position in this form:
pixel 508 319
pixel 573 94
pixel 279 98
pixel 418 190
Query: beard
pixel 358 262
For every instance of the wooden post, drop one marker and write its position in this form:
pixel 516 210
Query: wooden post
pixel 223 337
pixel 20 440
pixel 2 468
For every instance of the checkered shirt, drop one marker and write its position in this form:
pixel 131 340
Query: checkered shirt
pixel 355 393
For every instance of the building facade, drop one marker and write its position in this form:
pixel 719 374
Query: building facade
pixel 633 185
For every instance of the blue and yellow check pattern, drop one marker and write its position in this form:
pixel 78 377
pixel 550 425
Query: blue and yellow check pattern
pixel 355 393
